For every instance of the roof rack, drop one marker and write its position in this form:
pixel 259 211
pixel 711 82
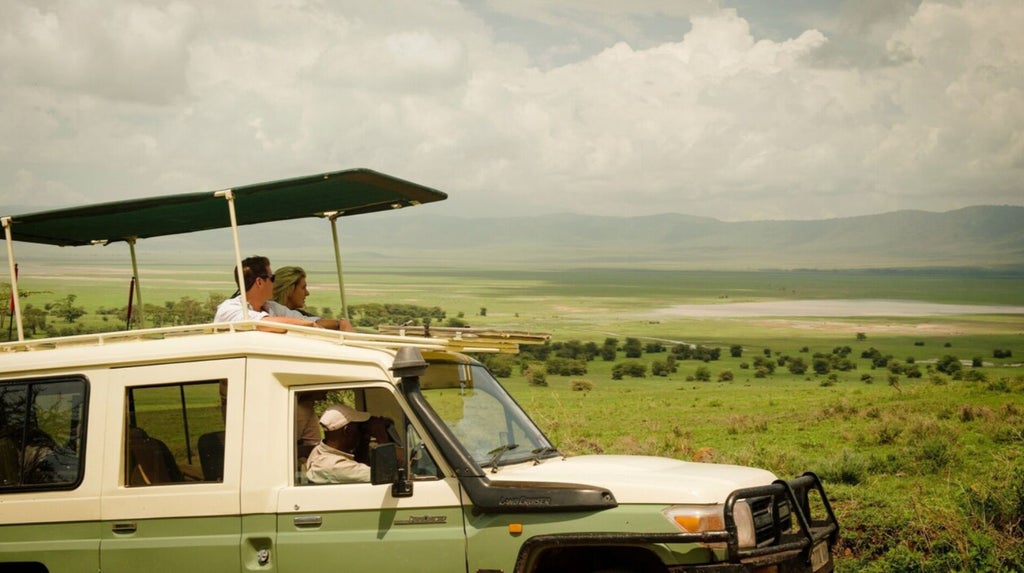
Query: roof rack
pixel 491 341
pixel 483 335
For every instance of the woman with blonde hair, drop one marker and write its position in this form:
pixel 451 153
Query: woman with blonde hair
pixel 291 290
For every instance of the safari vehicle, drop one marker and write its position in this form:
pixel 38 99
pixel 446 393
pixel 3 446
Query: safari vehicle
pixel 177 449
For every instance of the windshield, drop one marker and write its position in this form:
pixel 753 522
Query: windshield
pixel 484 418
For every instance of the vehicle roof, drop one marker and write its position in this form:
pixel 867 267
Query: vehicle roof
pixel 212 341
pixel 206 342
pixel 343 193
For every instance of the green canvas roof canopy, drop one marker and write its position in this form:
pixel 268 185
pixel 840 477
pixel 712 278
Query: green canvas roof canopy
pixel 327 195
pixel 344 193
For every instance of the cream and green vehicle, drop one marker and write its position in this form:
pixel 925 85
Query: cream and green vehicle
pixel 178 449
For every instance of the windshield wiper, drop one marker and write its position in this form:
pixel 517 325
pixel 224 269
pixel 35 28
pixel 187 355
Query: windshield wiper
pixel 496 454
pixel 541 452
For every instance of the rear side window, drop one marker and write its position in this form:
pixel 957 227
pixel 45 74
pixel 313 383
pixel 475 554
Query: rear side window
pixel 42 433
pixel 174 433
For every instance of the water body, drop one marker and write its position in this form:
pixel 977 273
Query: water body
pixel 834 308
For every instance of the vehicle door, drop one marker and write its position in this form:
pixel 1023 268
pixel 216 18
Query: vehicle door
pixel 49 481
pixel 362 527
pixel 170 500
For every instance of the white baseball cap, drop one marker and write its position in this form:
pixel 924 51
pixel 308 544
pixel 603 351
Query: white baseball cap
pixel 339 415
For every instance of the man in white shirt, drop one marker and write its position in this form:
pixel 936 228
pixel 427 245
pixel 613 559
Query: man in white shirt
pixel 259 289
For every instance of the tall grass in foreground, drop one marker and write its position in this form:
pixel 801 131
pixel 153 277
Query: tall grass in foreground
pixel 929 477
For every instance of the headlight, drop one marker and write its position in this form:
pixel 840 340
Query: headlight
pixel 702 518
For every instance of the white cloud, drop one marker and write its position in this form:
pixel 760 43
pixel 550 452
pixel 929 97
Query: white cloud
pixel 121 99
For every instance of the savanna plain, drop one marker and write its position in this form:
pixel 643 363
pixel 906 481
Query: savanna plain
pixel 914 421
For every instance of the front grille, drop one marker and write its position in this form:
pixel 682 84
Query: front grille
pixel 771 516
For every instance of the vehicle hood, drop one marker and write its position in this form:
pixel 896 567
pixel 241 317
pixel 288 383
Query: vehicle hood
pixel 641 479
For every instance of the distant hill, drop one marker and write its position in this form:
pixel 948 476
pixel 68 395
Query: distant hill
pixel 975 237
pixel 982 236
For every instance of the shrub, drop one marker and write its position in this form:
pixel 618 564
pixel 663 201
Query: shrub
pixel 631 368
pixel 582 385
pixel 499 364
pixel 797 366
pixel 535 375
pixel 973 376
pixel 660 368
pixel 948 364
pixel 849 468
pixel 725 376
pixel 565 366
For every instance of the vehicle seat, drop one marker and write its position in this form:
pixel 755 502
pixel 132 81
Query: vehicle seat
pixel 211 455
pixel 10 464
pixel 150 460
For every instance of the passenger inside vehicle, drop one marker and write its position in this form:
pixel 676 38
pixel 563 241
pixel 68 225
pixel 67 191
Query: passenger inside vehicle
pixel 341 457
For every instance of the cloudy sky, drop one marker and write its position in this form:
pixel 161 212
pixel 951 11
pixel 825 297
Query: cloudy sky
pixel 733 109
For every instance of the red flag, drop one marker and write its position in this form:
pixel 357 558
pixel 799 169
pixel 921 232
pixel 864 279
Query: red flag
pixel 12 287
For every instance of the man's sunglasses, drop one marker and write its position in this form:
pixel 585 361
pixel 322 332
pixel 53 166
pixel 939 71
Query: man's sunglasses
pixel 267 277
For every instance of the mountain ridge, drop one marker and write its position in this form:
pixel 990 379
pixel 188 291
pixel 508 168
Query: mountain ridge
pixel 981 236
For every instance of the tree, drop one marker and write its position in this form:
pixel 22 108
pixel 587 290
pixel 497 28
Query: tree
pixel 736 351
pixel 821 364
pixel 609 349
pixel 633 347
pixel 33 319
pixel 565 366
pixel 66 309
pixel 948 364
pixel 797 366
pixel 703 374
pixel 631 368
pixel 659 368
pixel 189 311
pixel 654 347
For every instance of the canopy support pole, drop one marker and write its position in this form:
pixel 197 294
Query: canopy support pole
pixel 333 217
pixel 138 284
pixel 14 277
pixel 239 272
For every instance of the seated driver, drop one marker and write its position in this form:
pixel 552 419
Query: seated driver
pixel 333 460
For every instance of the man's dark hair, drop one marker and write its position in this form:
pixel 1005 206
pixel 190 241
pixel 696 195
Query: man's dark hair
pixel 252 268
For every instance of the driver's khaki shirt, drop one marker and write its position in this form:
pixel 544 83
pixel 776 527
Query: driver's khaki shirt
pixel 328 465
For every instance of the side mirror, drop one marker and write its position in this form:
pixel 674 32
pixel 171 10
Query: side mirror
pixel 385 468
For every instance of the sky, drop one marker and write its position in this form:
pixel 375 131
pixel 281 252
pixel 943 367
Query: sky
pixel 737 110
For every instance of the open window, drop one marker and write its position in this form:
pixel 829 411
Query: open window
pixel 174 433
pixel 378 401
pixel 42 433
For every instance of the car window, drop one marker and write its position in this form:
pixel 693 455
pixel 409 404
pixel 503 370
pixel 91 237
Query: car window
pixel 42 430
pixel 174 433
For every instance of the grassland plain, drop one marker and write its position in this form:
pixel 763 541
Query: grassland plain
pixel 926 474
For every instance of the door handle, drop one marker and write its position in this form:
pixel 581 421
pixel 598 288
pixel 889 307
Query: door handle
pixel 308 521
pixel 124 527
